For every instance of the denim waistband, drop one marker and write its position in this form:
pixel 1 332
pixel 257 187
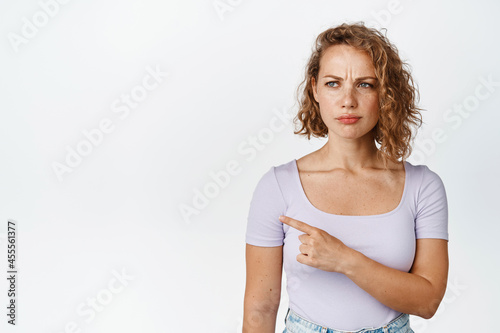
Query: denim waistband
pixel 295 323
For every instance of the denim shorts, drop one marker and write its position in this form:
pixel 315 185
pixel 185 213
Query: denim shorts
pixel 296 324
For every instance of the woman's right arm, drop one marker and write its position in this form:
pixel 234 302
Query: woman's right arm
pixel 263 288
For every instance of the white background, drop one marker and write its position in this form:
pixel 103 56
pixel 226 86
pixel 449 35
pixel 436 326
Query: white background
pixel 228 74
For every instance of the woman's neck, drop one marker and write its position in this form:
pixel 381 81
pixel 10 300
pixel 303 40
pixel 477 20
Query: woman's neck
pixel 350 154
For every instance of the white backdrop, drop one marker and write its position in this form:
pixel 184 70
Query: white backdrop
pixel 116 116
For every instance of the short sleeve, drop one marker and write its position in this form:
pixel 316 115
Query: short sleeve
pixel 263 225
pixel 431 220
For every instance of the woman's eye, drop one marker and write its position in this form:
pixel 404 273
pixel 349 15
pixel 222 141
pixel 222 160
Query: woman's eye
pixel 367 85
pixel 330 84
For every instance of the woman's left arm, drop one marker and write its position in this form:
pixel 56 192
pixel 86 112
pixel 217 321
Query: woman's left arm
pixel 418 292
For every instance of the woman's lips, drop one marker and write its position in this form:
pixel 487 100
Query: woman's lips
pixel 348 120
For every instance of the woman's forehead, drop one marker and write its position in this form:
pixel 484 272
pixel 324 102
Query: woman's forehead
pixel 340 60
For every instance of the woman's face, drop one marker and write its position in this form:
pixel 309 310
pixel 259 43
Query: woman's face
pixel 347 87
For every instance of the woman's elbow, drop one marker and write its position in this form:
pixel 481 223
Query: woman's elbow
pixel 260 317
pixel 264 306
pixel 430 308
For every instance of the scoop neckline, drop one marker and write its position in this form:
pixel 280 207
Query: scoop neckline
pixel 306 199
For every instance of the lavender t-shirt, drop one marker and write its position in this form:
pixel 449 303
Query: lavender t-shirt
pixel 328 298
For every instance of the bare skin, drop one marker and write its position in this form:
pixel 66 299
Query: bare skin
pixel 367 191
pixel 346 85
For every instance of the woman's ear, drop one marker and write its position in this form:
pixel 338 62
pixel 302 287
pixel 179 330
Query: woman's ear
pixel 313 85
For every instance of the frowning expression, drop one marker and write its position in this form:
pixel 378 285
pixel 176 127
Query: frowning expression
pixel 347 92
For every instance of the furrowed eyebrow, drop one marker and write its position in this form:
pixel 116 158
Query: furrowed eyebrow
pixel 357 79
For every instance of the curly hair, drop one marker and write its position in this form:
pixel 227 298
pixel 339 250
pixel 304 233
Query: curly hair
pixel 397 92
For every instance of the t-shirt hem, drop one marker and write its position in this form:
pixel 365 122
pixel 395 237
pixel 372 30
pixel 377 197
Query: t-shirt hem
pixel 263 243
pixel 433 235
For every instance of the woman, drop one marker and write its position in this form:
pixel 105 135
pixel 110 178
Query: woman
pixel 362 233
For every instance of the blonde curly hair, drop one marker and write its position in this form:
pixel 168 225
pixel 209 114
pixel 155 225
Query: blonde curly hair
pixel 397 92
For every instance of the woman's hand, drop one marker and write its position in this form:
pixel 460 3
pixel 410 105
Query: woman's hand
pixel 320 249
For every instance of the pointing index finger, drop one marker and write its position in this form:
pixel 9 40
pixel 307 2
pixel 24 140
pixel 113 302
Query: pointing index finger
pixel 299 225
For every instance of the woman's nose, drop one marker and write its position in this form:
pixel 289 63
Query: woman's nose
pixel 348 98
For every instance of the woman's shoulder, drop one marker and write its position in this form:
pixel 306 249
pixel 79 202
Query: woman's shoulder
pixel 285 167
pixel 423 176
pixel 421 169
pixel 279 172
